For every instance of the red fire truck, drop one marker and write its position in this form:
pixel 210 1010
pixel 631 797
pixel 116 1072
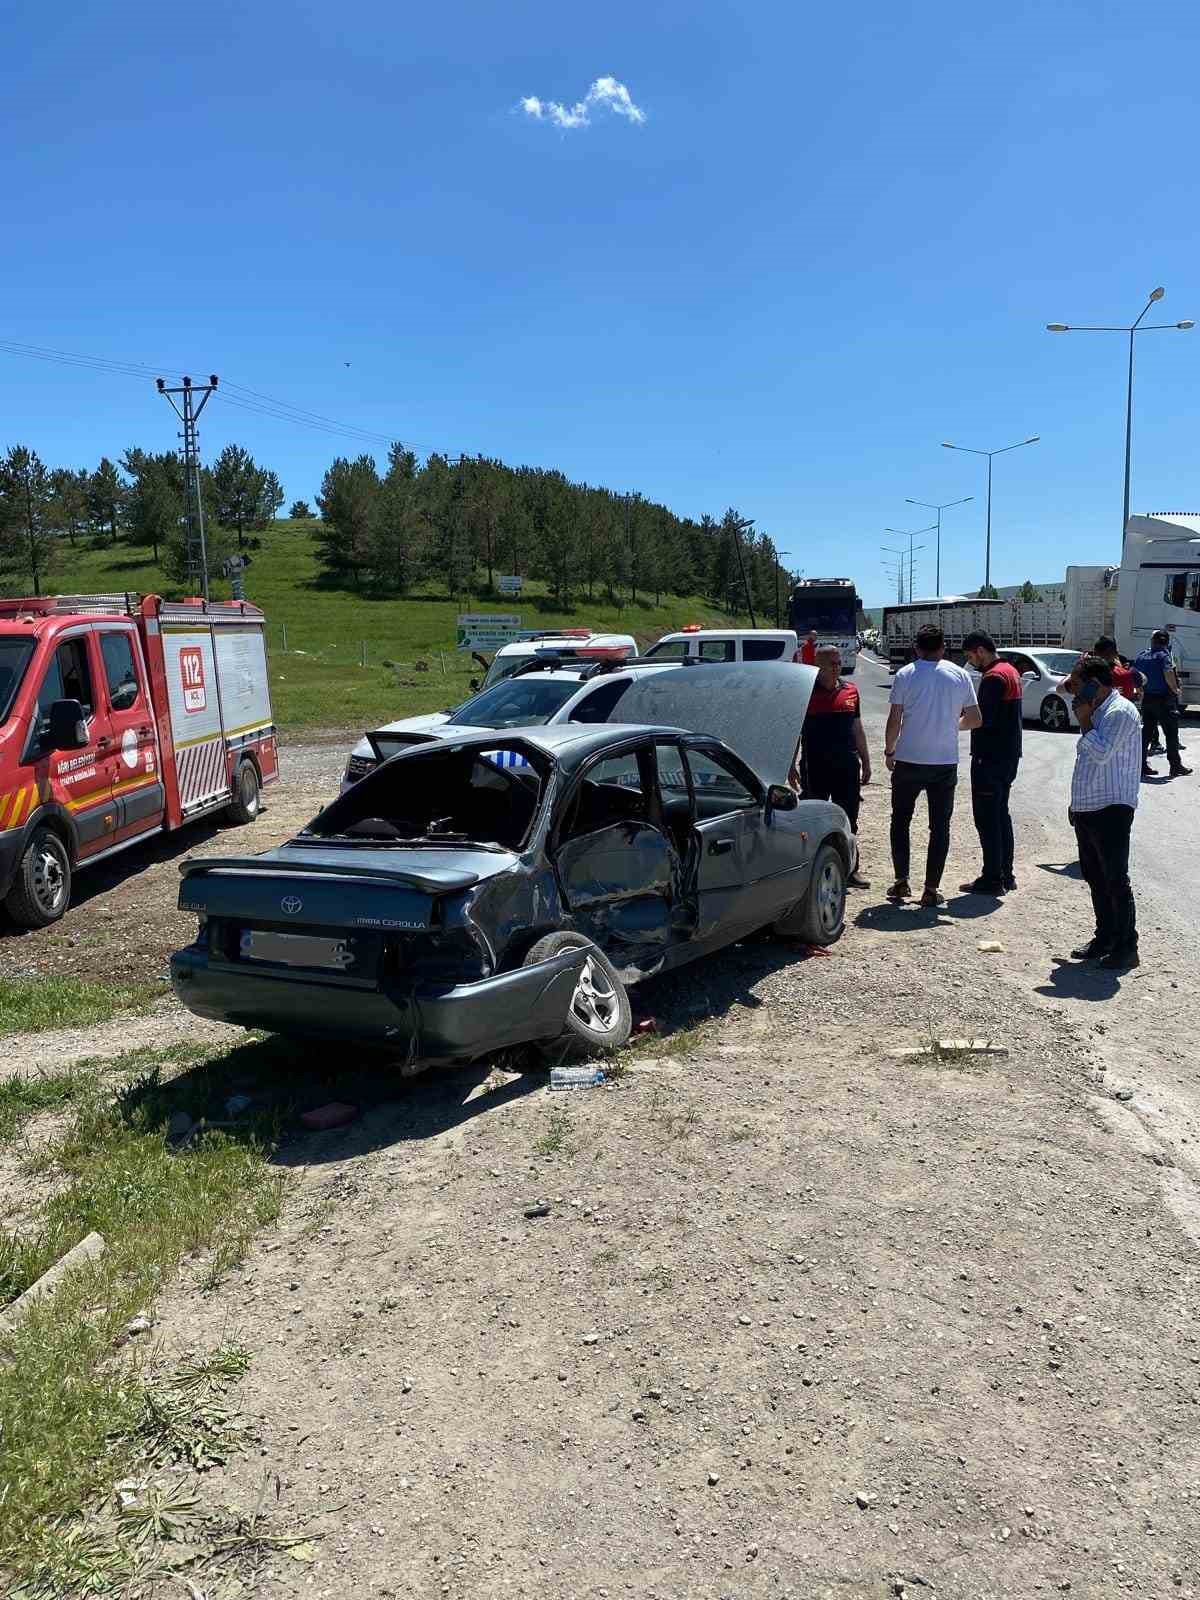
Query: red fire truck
pixel 122 716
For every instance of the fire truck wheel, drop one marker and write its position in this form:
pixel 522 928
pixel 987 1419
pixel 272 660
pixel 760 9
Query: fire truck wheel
pixel 41 890
pixel 244 807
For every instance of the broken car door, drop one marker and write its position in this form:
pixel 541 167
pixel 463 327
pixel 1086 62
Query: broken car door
pixel 615 864
pixel 727 810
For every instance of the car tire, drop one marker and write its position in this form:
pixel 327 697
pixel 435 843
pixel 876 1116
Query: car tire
pixel 820 917
pixel 1054 716
pixel 599 1019
pixel 245 804
pixel 41 891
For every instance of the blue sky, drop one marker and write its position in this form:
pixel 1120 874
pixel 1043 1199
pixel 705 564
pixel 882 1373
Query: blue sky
pixel 832 242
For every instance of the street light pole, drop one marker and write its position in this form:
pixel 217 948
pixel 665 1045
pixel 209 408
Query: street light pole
pixel 1004 449
pixel 945 506
pixel 910 535
pixel 1135 327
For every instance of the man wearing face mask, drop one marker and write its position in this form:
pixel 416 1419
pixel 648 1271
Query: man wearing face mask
pixel 1104 796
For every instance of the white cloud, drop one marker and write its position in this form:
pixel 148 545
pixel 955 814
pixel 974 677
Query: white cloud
pixel 603 92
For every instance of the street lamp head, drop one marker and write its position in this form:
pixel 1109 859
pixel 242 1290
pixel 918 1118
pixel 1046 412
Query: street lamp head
pixel 1058 327
pixel 946 446
pixel 1032 440
pixel 1188 324
pixel 1157 294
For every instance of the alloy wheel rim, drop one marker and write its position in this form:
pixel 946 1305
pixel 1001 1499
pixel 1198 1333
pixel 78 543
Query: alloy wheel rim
pixel 595 1002
pixel 829 897
pixel 1056 716
pixel 49 880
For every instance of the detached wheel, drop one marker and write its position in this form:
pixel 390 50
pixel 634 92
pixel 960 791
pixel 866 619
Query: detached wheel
pixel 41 890
pixel 1054 716
pixel 598 1019
pixel 245 805
pixel 820 917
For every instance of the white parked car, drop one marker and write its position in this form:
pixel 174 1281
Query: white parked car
pixel 1041 673
pixel 725 644
pixel 540 693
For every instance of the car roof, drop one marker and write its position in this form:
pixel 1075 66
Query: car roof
pixel 570 744
pixel 729 633
pixel 550 642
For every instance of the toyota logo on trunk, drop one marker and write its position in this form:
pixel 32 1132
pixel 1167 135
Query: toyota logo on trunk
pixel 291 903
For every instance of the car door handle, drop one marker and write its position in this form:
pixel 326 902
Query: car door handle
pixel 103 742
pixel 720 847
pixel 144 733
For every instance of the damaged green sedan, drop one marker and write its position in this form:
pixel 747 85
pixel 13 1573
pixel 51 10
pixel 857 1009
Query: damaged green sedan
pixel 494 890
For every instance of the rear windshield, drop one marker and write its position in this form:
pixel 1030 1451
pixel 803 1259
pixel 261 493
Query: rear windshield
pixel 439 798
pixel 516 703
pixel 14 658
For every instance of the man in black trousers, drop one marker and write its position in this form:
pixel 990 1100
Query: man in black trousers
pixel 995 756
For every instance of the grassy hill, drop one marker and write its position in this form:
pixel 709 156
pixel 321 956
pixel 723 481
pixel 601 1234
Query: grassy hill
pixel 319 681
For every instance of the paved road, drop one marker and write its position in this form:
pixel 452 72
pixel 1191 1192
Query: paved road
pixel 1145 1023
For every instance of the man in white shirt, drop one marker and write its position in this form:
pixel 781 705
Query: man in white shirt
pixel 932 702
pixel 1104 795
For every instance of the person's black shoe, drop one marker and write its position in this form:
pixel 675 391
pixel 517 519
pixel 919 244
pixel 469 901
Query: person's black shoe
pixel 1181 772
pixel 1121 960
pixel 1010 884
pixel 1090 952
pixel 1149 772
pixel 1158 750
pixel 983 886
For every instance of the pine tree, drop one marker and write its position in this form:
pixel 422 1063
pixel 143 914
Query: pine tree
pixel 399 532
pixel 154 503
pixel 348 497
pixel 27 536
pixel 105 499
pixel 240 496
pixel 300 510
pixel 69 506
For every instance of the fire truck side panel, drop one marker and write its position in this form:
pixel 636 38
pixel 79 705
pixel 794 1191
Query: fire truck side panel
pixel 246 696
pixel 194 697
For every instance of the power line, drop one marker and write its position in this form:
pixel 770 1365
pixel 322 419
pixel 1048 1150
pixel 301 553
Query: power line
pixel 250 400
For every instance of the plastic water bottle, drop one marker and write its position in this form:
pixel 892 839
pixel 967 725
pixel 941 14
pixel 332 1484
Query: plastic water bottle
pixel 576 1077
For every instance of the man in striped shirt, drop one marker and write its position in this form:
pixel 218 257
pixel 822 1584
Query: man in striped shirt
pixel 1104 795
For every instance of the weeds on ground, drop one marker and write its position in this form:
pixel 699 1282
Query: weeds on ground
pixel 673 1118
pixel 30 1005
pixel 23 1098
pixel 71 1419
pixel 556 1141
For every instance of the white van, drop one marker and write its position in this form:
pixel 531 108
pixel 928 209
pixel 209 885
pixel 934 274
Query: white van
pixel 566 643
pixel 726 644
pixel 1160 588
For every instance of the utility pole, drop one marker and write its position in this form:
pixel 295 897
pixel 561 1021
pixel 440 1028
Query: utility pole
pixel 738 525
pixel 193 511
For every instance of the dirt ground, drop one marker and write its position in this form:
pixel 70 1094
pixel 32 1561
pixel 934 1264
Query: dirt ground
pixel 807 1318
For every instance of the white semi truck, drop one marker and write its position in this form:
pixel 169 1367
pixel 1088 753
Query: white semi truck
pixel 1160 588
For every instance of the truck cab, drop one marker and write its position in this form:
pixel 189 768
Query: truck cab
pixel 1160 588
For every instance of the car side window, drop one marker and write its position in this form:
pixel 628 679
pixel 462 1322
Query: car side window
pixel 1175 589
pixel 116 650
pixel 67 678
pixel 718 788
pixel 670 650
pixel 1022 663
pixel 672 776
pixel 612 791
pixel 717 649
pixel 763 649
pixel 599 705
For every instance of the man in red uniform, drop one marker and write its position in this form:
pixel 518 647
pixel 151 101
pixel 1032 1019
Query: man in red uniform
pixel 833 746
pixel 995 756
pixel 808 650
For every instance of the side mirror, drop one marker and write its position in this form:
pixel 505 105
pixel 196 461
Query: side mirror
pixel 782 798
pixel 68 726
pixel 1029 677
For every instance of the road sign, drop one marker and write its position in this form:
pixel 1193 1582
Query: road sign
pixel 483 630
pixel 509 585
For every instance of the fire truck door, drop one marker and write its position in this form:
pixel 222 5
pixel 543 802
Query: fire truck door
pixel 137 788
pixel 81 779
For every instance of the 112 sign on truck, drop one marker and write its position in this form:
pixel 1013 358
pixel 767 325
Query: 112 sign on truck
pixel 121 717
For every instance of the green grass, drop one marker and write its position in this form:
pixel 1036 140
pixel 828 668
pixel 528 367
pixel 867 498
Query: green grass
pixel 29 1005
pixel 319 681
pixel 71 1419
pixel 22 1098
